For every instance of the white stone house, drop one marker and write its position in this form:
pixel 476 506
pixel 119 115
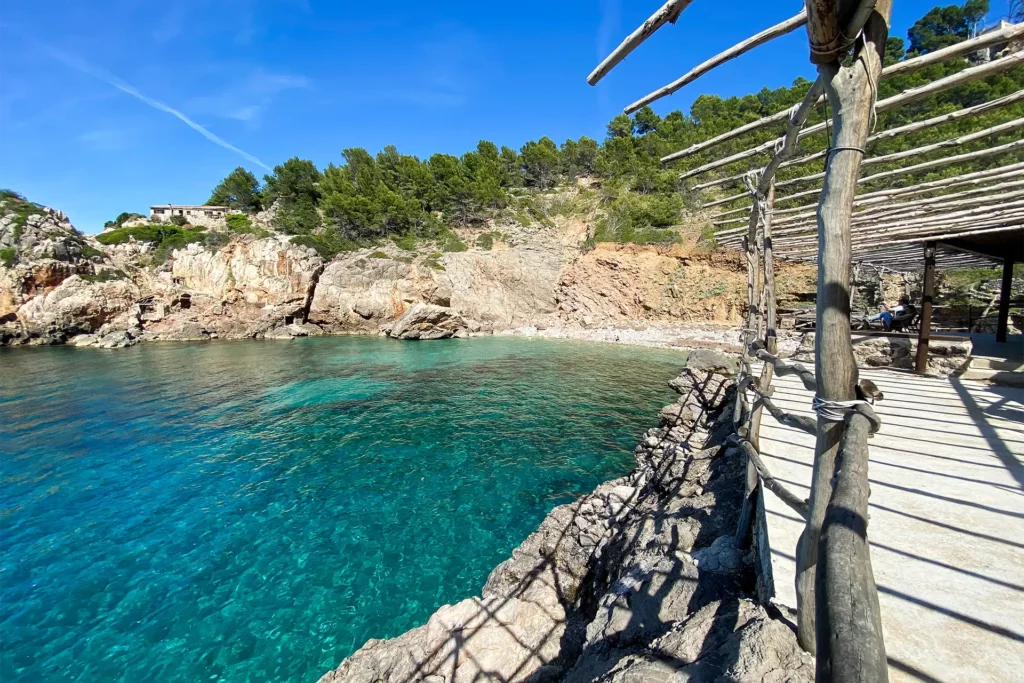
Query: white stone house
pixel 206 216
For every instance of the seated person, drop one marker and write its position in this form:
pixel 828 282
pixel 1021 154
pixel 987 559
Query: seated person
pixel 898 317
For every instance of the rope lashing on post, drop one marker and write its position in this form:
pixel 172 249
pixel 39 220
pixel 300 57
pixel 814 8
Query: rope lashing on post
pixel 838 411
pixel 834 411
pixel 848 149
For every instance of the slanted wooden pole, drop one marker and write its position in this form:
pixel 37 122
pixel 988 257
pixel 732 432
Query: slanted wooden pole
pixel 761 38
pixel 668 14
pixel 928 293
pixel 851 95
pixel 1003 326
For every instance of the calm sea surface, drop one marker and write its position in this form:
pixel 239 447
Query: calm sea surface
pixel 255 511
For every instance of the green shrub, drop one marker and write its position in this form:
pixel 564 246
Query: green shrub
pixel 8 256
pixel 449 241
pixel 15 205
pixel 327 244
pixel 485 241
pixel 406 241
pixel 165 238
pixel 238 222
pixel 178 220
pixel 640 219
pixel 215 239
pixel 89 251
pixel 379 254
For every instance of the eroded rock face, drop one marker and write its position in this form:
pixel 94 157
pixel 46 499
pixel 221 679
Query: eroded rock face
pixel 261 272
pixel 78 307
pixel 638 581
pixel 358 293
pixel 507 288
pixel 426 321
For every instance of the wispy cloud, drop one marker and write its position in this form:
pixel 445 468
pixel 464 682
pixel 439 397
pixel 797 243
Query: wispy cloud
pixel 611 16
pixel 246 99
pixel 81 65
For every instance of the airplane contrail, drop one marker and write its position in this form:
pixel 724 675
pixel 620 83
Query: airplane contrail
pixel 86 68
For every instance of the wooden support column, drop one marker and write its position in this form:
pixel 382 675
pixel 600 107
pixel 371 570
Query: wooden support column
pixel 851 95
pixel 927 295
pixel 1004 301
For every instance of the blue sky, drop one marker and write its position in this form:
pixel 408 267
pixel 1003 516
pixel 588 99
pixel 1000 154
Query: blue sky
pixel 110 106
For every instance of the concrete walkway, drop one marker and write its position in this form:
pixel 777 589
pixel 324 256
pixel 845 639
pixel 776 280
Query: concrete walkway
pixel 946 522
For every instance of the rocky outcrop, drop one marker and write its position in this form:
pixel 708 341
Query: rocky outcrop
pixel 358 292
pixel 507 288
pixel 639 580
pixel 260 272
pixel 75 307
pixel 426 321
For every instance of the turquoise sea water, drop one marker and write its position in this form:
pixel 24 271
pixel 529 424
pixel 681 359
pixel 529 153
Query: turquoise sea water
pixel 255 511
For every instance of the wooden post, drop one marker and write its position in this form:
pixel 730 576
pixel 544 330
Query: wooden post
pixel 927 295
pixel 850 644
pixel 743 416
pixel 851 95
pixel 1002 328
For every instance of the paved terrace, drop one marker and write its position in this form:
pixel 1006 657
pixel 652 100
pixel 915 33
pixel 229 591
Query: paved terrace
pixel 946 522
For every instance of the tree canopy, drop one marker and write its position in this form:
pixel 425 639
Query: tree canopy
pixel 239 190
pixel 945 26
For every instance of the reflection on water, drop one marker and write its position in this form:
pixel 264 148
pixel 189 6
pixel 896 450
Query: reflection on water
pixel 255 511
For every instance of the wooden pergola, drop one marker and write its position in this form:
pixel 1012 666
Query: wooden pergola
pixel 966 220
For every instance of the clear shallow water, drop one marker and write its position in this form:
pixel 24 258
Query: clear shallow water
pixel 255 511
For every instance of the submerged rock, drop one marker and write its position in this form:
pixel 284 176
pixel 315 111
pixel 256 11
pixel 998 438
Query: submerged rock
pixel 293 331
pixel 427 321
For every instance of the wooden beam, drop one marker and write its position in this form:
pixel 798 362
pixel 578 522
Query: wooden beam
pixel 1002 327
pixel 780 29
pixel 668 13
pixel 928 294
pixel 1005 34
pixel 914 94
pixel 935 163
pixel 916 126
pixel 955 181
pixel 926 149
pixel 785 495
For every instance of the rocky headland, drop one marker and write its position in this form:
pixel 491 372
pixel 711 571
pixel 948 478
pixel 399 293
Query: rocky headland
pixel 639 580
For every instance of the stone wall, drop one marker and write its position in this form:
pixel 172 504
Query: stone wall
pixel 639 580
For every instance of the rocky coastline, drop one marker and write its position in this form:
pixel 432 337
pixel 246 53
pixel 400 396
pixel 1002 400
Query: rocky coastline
pixel 59 286
pixel 639 580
